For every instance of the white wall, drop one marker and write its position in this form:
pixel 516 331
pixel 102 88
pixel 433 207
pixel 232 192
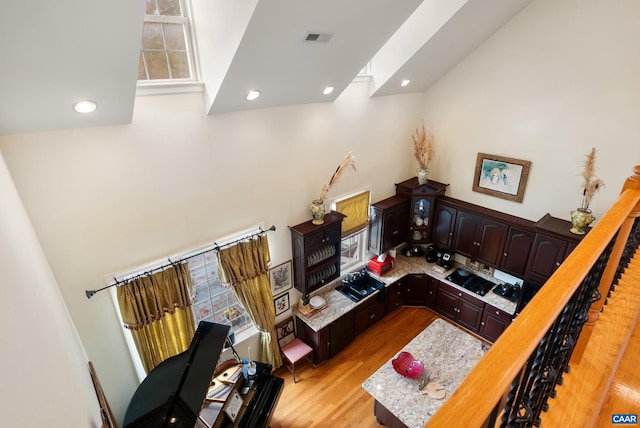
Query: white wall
pixel 42 357
pixel 106 199
pixel 558 79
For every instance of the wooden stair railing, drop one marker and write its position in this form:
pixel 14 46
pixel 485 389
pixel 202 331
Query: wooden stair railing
pixel 581 396
pixel 510 386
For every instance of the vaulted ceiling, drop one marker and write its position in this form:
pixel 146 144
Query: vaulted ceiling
pixel 56 53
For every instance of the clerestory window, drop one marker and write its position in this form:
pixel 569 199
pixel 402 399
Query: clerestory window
pixel 166 53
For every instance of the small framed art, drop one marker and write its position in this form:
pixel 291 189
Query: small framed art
pixel 280 278
pixel 281 303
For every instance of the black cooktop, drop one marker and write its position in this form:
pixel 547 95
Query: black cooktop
pixel 471 282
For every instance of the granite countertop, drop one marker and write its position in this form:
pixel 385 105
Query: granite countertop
pixel 448 354
pixel 338 304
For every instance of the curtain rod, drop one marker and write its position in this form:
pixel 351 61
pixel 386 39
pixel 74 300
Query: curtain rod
pixel 216 247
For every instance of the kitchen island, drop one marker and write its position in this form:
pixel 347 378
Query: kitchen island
pixel 448 354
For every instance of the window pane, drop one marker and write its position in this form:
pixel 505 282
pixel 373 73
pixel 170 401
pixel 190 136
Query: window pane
pixel 152 36
pixel 179 63
pixel 352 250
pixel 152 7
pixel 174 37
pixel 169 7
pixel 157 66
pixel 211 300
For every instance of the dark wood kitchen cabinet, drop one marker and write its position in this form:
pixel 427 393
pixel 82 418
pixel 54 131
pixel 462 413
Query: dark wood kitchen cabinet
pixel 395 295
pixel 318 340
pixel 316 252
pixel 369 313
pixel 547 254
pixel 480 238
pixel 494 322
pixel 460 307
pixel 329 340
pixel 444 225
pixel 420 291
pixel 388 223
pixel 422 207
pixel 516 251
pixel 552 244
pixel 342 332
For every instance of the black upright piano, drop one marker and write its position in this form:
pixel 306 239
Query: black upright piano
pixel 174 394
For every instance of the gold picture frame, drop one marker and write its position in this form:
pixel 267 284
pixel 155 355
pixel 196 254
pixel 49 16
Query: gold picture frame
pixel 501 176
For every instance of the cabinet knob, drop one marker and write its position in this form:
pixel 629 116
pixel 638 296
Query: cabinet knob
pixel 459 294
pixel 482 323
pixel 497 312
pixel 372 316
pixel 557 263
pixel 504 254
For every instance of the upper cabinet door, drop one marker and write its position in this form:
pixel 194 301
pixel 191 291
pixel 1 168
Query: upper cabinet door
pixel 444 225
pixel 516 251
pixel 466 234
pixel 546 256
pixel 493 236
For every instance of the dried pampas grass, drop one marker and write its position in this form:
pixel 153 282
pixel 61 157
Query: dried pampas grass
pixel 349 162
pixel 423 146
pixel 591 184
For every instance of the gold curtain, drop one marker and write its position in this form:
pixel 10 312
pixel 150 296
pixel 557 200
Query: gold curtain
pixel 356 208
pixel 157 310
pixel 245 267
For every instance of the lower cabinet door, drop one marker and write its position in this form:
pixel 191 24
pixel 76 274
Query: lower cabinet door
pixel 447 304
pixel 469 315
pixel 369 314
pixel 342 332
pixel 494 323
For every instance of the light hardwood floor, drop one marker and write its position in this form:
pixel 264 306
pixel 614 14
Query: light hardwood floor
pixel 331 395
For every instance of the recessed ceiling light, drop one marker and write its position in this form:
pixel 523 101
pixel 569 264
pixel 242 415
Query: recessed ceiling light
pixel 327 90
pixel 85 106
pixel 252 95
pixel 405 82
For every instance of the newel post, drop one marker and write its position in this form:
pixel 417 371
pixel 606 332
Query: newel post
pixel 632 183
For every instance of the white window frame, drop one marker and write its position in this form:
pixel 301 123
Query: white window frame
pixel 169 86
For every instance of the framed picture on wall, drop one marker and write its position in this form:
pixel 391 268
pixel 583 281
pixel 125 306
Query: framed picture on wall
pixel 281 303
pixel 280 278
pixel 501 176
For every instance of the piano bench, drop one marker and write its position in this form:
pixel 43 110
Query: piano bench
pixel 294 352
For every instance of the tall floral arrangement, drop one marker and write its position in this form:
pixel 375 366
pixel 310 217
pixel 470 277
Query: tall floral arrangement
pixel 348 163
pixel 591 184
pixel 423 142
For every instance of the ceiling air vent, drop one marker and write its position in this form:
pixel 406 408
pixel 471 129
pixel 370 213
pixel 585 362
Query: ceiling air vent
pixel 317 37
